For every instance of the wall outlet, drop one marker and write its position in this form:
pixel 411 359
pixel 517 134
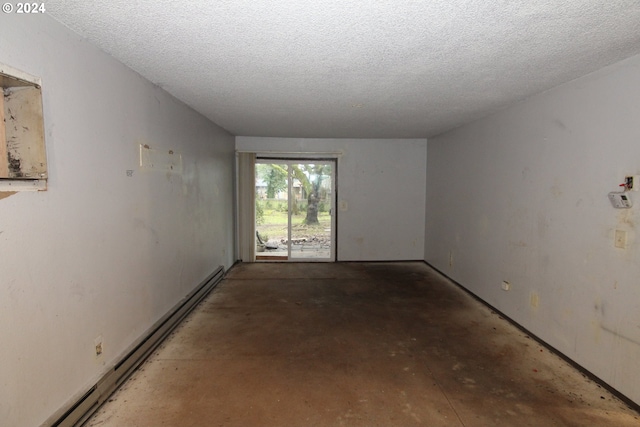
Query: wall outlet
pixel 620 240
pixel 98 345
pixel 506 286
pixel 534 300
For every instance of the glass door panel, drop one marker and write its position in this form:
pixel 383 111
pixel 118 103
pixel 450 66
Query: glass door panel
pixel 311 220
pixel 272 207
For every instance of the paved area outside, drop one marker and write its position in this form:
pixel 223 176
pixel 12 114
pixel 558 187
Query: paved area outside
pixel 353 344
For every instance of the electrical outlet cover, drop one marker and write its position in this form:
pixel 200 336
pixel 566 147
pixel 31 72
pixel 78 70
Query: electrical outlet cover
pixel 620 239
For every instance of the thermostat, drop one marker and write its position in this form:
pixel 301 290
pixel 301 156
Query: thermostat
pixel 620 200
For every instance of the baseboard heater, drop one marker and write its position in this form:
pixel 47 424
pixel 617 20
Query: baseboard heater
pixel 87 405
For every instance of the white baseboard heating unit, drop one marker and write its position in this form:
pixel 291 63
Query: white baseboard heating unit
pixel 87 405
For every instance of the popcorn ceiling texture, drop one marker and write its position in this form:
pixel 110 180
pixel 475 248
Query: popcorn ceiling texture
pixel 355 69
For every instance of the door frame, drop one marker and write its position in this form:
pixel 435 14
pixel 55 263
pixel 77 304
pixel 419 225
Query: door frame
pixel 289 160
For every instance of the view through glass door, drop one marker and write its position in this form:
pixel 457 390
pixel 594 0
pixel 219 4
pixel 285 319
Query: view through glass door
pixel 295 210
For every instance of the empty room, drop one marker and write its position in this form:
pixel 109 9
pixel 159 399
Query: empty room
pixel 322 213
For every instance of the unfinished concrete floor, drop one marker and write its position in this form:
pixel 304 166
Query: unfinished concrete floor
pixel 353 344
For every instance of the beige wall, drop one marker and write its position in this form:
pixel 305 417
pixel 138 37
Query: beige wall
pixel 382 184
pixel 521 196
pixel 100 253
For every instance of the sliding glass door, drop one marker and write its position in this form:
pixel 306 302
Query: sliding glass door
pixel 295 207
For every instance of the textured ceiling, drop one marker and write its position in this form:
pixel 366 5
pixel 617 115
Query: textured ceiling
pixel 357 69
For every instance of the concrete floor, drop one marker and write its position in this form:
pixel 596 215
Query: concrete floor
pixel 353 344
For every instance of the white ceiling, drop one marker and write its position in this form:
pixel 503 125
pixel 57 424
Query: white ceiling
pixel 355 69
